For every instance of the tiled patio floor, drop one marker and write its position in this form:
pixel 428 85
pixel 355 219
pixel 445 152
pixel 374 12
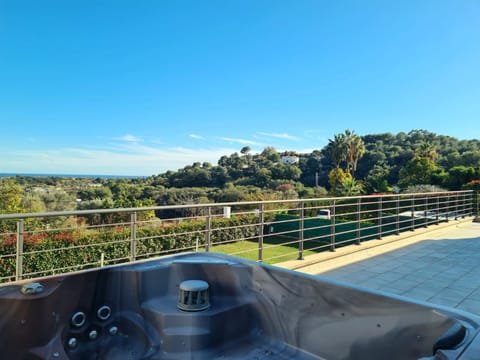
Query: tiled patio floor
pixel 442 267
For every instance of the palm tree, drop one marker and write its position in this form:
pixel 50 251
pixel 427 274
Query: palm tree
pixel 426 150
pixel 351 187
pixel 337 149
pixel 355 150
pixel 348 148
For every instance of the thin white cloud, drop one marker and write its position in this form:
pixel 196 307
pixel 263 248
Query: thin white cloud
pixel 195 136
pixel 240 141
pixel 127 159
pixel 283 136
pixel 129 138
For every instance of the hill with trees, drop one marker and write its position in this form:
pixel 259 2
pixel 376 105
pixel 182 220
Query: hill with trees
pixel 349 164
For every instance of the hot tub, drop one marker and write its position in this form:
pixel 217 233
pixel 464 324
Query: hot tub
pixel 214 306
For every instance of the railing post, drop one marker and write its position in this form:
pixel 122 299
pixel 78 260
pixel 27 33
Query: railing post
pixel 437 217
pixel 261 225
pixel 19 265
pixel 380 222
pixel 463 205
pixel 412 228
pixel 359 220
pixel 208 229
pixel 425 223
pixel 478 213
pixel 447 206
pixel 332 227
pixel 456 206
pixel 133 236
pixel 397 225
pixel 301 230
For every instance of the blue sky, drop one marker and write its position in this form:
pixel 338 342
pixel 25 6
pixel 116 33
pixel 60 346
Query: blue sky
pixel 140 87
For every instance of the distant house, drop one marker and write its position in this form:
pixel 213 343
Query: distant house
pixel 289 159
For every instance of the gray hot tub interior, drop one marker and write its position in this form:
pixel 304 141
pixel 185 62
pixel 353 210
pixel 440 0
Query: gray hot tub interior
pixel 255 312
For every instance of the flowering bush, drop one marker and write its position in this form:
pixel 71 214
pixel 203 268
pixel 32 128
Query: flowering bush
pixel 46 253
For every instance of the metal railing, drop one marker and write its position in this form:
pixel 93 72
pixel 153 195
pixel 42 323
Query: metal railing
pixel 39 244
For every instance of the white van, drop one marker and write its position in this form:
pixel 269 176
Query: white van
pixel 323 214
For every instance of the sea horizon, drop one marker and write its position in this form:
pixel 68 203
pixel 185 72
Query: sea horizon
pixel 85 176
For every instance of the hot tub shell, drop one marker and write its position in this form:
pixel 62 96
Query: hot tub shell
pixel 255 311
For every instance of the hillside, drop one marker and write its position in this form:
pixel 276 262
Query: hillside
pixel 386 162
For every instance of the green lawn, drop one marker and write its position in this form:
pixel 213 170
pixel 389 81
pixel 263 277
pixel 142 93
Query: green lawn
pixel 317 233
pixel 274 250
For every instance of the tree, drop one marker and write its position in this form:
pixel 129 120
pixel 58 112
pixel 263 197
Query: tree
pixel 219 176
pixel 459 176
pixel 418 171
pixel 337 150
pixel 245 150
pixel 10 202
pixel 56 199
pixel 10 197
pixel 191 176
pixel 426 150
pixel 262 177
pixel 336 178
pixel 231 193
pixel 355 150
pixel 310 165
pixel 31 202
pixel 288 191
pixel 270 154
pixel 350 187
pixel 376 180
pixel 346 148
pixel 286 172
pixel 97 192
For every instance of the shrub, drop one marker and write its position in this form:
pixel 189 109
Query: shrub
pixel 46 253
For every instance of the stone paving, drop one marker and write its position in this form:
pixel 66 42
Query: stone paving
pixel 441 267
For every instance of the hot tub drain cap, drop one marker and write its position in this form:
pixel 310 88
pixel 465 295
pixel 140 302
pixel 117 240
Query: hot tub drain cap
pixel 193 295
